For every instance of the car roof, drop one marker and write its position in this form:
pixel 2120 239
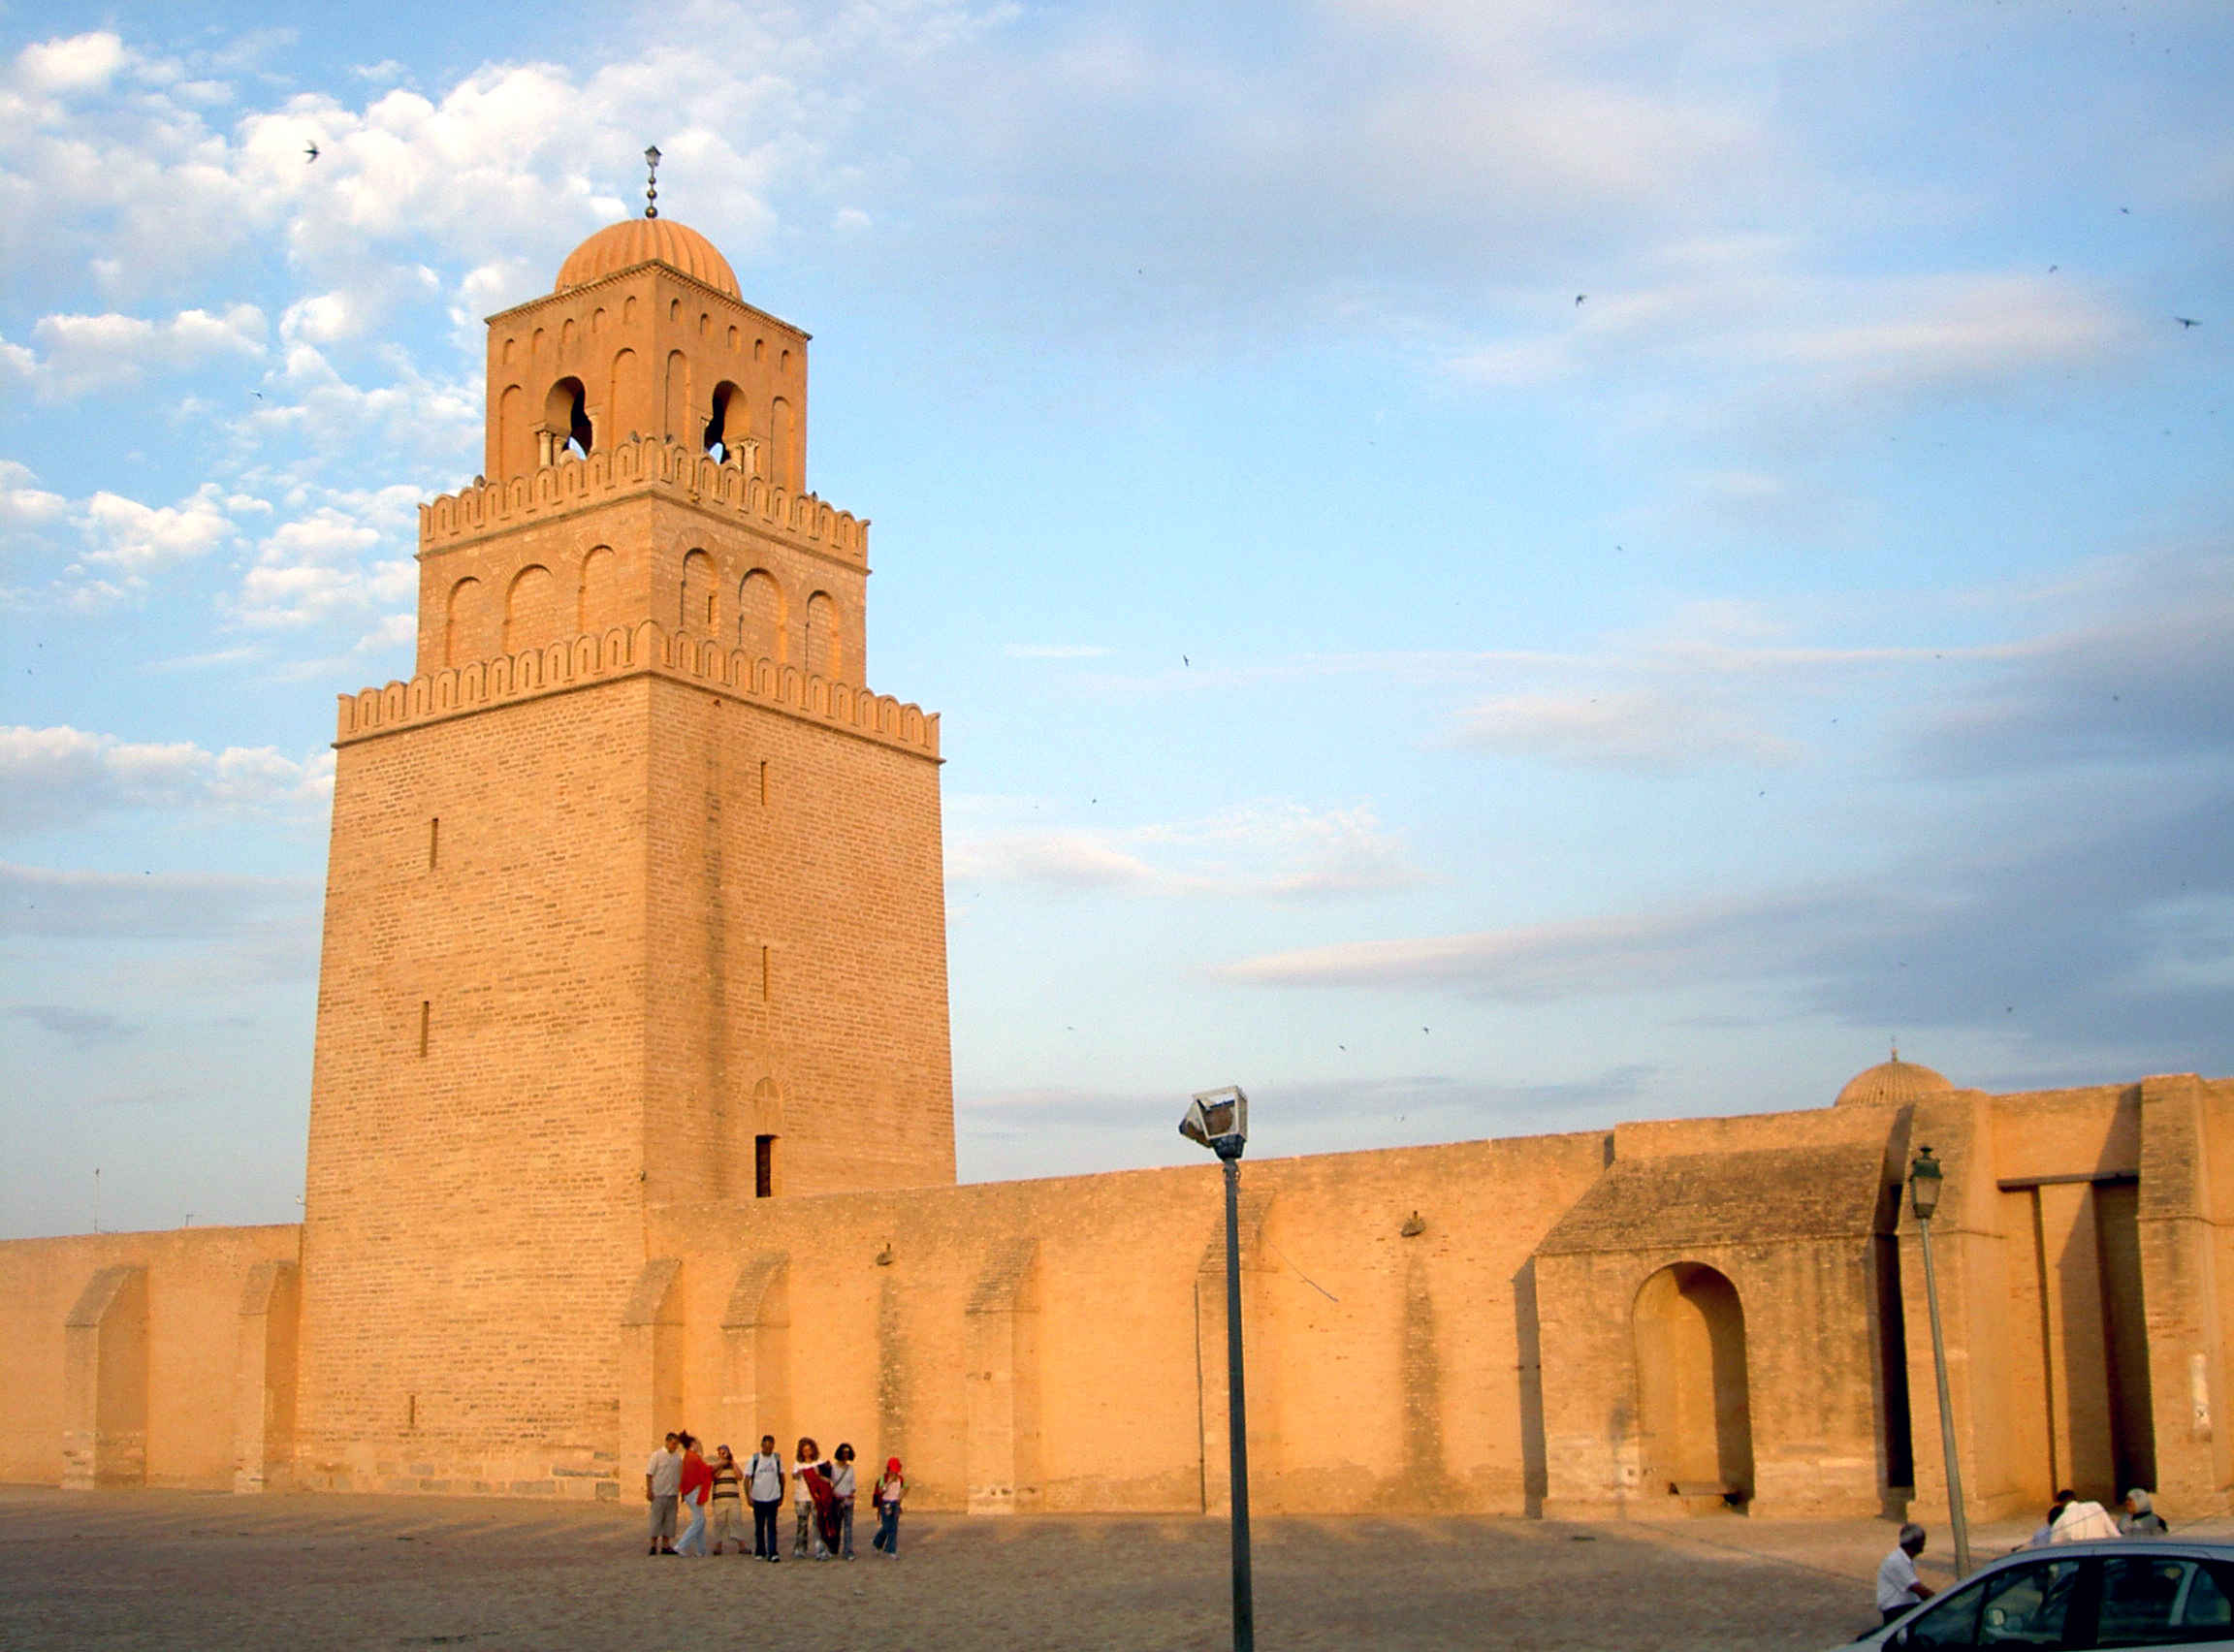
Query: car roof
pixel 2183 1548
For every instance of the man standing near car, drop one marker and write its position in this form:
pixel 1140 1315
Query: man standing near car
pixel 1897 1586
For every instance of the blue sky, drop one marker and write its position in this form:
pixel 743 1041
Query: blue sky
pixel 1488 568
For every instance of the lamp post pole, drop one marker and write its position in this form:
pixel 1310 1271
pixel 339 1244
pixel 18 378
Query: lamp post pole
pixel 1219 1119
pixel 1236 1411
pixel 1924 1181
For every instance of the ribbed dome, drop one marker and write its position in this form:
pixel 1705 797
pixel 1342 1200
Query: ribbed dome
pixel 1895 1080
pixel 641 240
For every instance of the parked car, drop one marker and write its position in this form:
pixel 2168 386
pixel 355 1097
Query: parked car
pixel 2158 1592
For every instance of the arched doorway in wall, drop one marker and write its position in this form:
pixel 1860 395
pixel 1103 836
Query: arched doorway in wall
pixel 1694 1413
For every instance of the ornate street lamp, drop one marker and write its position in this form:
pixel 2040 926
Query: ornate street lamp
pixel 1219 1119
pixel 1925 1182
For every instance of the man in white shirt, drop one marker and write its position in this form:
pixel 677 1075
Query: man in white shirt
pixel 764 1487
pixel 1897 1586
pixel 662 1484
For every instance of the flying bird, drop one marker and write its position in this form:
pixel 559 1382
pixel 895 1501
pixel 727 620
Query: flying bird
pixel 1579 297
pixel 1184 660
pixel 2186 321
pixel 310 153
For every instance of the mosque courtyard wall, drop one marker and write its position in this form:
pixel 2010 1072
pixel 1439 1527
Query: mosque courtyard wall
pixel 633 1110
pixel 1533 1325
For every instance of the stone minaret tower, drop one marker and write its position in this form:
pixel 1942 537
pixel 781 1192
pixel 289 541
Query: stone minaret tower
pixel 635 893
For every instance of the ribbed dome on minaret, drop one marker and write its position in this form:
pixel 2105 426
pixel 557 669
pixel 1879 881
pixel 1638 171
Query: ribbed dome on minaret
pixel 646 241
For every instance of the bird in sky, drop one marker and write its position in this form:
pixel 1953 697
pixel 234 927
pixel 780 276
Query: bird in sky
pixel 1579 297
pixel 2186 321
pixel 1184 660
pixel 310 153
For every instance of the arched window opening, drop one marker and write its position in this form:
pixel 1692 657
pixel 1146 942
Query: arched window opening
pixel 1694 1411
pixel 630 407
pixel 701 610
pixel 825 648
pixel 512 444
pixel 530 610
pixel 462 624
pixel 728 426
pixel 760 616
pixel 565 421
pixel 598 605
pixel 674 405
pixel 783 437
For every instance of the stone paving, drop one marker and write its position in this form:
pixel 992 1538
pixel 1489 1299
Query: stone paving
pixel 189 1569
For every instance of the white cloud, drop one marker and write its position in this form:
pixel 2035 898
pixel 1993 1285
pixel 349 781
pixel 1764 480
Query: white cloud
pixel 61 777
pixel 413 415
pixel 1267 850
pixel 139 538
pixel 85 353
pixel 320 565
pixel 1748 318
pixel 1648 728
pixel 324 318
pixel 81 63
pixel 169 905
pixel 23 505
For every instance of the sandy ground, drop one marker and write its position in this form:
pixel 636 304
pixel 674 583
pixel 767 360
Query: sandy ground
pixel 177 1569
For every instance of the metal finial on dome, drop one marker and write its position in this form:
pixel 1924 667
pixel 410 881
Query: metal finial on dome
pixel 652 181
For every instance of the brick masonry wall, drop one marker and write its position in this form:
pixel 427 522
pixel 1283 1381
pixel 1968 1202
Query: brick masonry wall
pixel 469 1224
pixel 639 923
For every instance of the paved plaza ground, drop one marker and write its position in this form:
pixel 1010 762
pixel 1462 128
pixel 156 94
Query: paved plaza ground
pixel 181 1570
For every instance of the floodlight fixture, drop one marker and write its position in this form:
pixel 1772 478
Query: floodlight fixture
pixel 1218 1120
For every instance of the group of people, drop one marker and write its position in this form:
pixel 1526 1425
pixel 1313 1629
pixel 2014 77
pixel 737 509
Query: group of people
pixel 681 1480
pixel 2071 1519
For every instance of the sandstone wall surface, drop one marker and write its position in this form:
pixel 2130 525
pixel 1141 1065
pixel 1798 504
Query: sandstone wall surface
pixel 178 1321
pixel 1059 1343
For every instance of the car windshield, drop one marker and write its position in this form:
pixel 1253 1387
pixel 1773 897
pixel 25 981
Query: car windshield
pixel 2023 1606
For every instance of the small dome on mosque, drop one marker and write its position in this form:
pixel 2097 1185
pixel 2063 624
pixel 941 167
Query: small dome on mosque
pixel 1893 1080
pixel 641 240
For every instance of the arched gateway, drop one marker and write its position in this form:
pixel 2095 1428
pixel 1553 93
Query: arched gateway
pixel 1695 1418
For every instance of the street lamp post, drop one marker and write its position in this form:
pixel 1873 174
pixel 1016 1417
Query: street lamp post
pixel 1925 1180
pixel 1219 1119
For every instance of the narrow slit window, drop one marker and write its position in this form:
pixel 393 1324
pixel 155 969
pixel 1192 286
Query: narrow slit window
pixel 764 1168
pixel 767 975
pixel 425 1016
pixel 763 782
pixel 433 841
